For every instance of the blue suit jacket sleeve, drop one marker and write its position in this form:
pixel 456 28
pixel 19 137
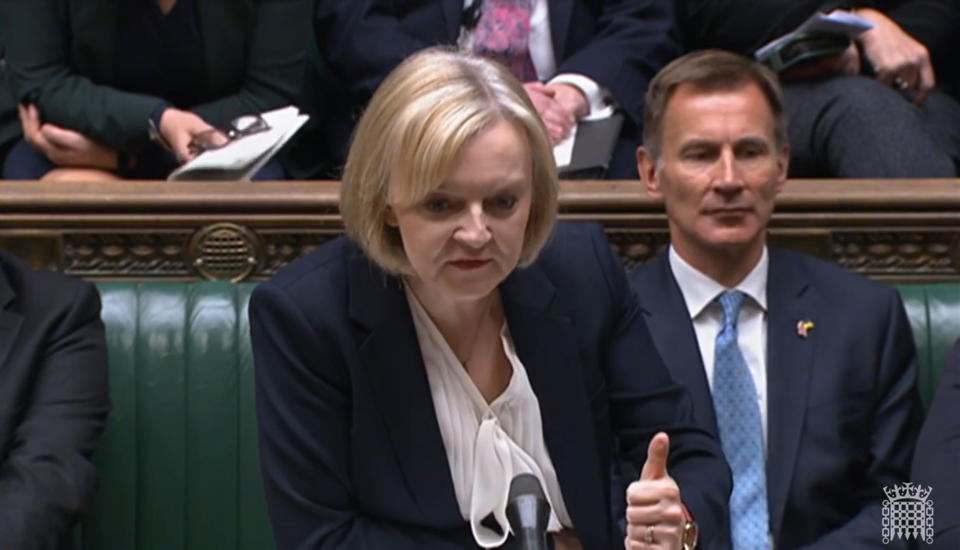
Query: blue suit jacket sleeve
pixel 695 456
pixel 629 41
pixel 896 419
pixel 938 453
pixel 363 40
pixel 620 44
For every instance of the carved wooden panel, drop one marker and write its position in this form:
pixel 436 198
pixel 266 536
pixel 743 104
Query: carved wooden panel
pixel 897 230
pixel 132 255
pixel 908 253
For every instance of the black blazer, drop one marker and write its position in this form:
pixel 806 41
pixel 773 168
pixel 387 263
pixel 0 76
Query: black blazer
pixel 620 44
pixel 938 455
pixel 843 409
pixel 350 446
pixel 53 403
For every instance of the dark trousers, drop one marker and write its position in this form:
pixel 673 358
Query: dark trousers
pixel 4 148
pixel 855 127
pixel 26 163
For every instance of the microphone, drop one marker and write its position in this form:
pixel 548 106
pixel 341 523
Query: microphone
pixel 528 512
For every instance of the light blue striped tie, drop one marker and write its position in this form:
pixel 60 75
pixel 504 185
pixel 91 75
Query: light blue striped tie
pixel 741 432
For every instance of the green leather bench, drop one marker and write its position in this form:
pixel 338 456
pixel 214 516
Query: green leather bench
pixel 179 466
pixel 178 462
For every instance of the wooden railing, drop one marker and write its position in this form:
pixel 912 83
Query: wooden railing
pixel 897 230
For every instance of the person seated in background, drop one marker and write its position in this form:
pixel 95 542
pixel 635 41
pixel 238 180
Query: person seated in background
pixel 806 372
pixel 576 58
pixel 9 124
pixel 53 403
pixel 95 79
pixel 938 453
pixel 455 338
pixel 872 111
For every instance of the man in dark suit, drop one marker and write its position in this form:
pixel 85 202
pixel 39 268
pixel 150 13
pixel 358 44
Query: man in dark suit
pixel 938 453
pixel 53 403
pixel 9 124
pixel 811 384
pixel 612 46
pixel 879 109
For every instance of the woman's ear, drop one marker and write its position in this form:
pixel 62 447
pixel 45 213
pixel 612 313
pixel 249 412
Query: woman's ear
pixel 391 217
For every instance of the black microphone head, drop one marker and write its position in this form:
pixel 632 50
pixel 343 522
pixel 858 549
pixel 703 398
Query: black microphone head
pixel 525 484
pixel 528 512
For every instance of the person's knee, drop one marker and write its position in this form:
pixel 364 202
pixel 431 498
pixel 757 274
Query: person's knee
pixel 865 101
pixel 78 174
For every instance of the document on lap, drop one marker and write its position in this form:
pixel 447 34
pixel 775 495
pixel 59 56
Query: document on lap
pixel 821 35
pixel 587 151
pixel 243 156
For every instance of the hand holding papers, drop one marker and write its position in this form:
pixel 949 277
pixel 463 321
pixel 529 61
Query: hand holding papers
pixel 238 152
pixel 819 36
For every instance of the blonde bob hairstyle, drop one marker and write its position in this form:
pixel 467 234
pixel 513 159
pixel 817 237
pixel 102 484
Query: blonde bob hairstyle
pixel 411 134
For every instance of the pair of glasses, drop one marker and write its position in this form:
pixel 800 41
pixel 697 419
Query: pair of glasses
pixel 216 138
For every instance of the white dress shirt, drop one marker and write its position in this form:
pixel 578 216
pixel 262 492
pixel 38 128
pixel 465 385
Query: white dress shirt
pixel 699 292
pixel 544 61
pixel 486 444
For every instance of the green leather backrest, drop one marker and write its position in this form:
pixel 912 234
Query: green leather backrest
pixel 934 313
pixel 178 463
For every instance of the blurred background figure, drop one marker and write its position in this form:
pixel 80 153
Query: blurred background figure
pixel 53 403
pixel 576 58
pixel 9 123
pixel 120 89
pixel 876 110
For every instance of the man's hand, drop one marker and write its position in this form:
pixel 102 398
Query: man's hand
pixel 571 98
pixel 64 147
pixel 566 540
pixel 896 57
pixel 654 512
pixel 558 119
pixel 179 128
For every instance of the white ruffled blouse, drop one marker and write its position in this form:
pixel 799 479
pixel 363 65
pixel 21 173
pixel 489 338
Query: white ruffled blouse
pixel 487 444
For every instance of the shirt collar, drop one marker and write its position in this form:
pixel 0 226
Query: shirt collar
pixel 699 290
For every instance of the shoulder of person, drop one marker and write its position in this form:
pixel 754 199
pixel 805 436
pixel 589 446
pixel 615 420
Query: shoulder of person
pixel 326 263
pixel 570 241
pixel 40 288
pixel 835 283
pixel 578 260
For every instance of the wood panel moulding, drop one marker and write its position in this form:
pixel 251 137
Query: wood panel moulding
pixel 898 230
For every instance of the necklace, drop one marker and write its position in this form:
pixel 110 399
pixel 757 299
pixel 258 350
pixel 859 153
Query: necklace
pixel 468 357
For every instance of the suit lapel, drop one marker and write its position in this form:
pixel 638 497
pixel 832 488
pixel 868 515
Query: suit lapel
pixel 560 13
pixel 672 331
pixel 391 356
pixel 546 344
pixel 10 321
pixel 789 363
pixel 452 9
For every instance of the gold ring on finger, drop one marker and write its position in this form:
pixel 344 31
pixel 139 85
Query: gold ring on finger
pixel 648 537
